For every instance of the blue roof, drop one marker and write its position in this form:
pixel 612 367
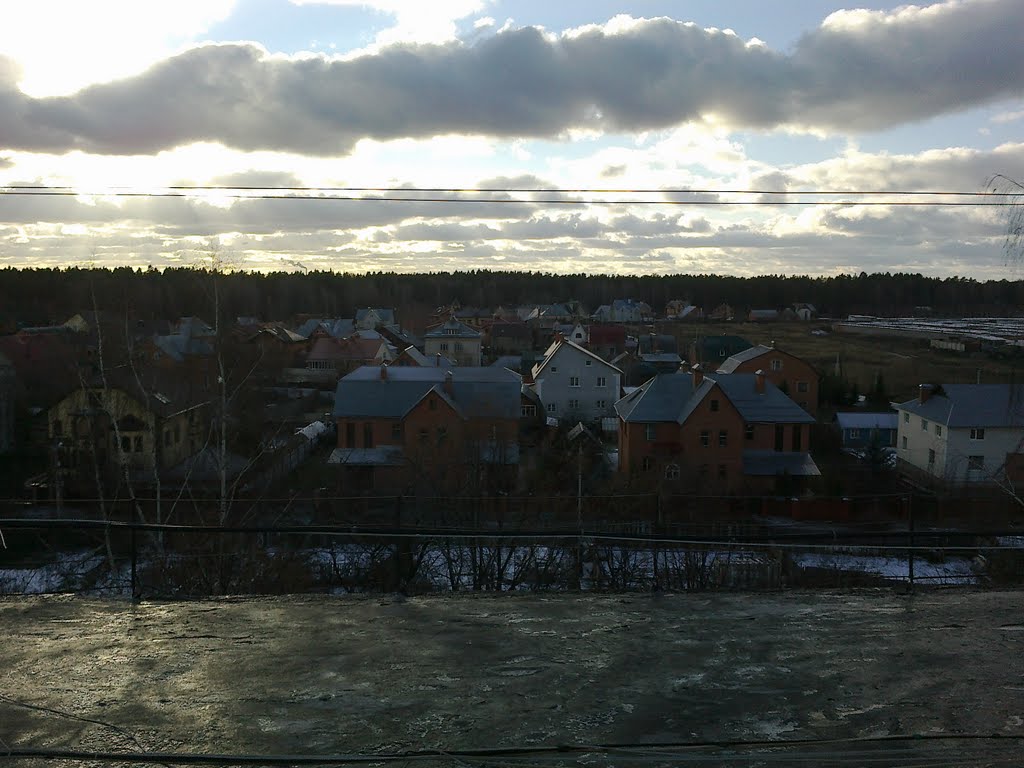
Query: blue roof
pixel 768 463
pixel 452 329
pixel 861 420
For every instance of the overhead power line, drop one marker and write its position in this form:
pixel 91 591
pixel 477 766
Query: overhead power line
pixel 449 195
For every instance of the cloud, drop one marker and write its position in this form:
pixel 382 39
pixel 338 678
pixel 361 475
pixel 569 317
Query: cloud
pixel 859 71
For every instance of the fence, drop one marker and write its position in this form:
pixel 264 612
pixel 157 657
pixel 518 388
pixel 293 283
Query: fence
pixel 88 556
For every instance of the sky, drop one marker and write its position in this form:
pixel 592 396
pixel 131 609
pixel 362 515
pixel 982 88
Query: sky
pixel 557 109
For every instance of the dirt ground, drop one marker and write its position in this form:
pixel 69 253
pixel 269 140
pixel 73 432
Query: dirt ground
pixel 316 675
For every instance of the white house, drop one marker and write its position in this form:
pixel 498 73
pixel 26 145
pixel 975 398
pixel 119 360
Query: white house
pixel 575 384
pixel 962 433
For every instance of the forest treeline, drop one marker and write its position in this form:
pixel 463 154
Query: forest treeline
pixel 43 296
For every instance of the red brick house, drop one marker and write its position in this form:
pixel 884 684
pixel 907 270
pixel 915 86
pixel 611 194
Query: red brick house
pixel 794 376
pixel 720 432
pixel 405 429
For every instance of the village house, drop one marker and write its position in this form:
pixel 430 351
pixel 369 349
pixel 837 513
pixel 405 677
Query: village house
pixel 339 356
pixel 425 428
pixel 962 433
pixel 794 376
pixel 731 432
pixel 862 431
pixel 122 427
pixel 606 341
pixel 509 338
pixel 574 384
pixel 711 351
pixel 372 317
pixel 456 341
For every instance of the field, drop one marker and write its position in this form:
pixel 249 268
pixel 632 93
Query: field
pixel 903 363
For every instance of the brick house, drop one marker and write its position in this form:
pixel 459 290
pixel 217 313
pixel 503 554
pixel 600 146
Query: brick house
pixel 403 429
pixel 729 432
pixel 793 375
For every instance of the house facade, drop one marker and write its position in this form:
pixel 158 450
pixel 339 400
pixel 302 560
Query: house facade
pixel 456 341
pixel 427 428
pixel 8 382
pixel 962 433
pixel 794 376
pixel 574 384
pixel 726 431
pixel 859 431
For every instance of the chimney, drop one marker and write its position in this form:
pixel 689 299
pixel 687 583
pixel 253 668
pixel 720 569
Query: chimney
pixel 698 375
pixel 924 391
pixel 449 385
pixel 684 367
pixel 437 360
pixel 383 371
pixel 772 345
pixel 759 381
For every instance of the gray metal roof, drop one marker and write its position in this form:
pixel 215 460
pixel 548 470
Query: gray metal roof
pixel 771 406
pixel 768 463
pixel 732 362
pixel 477 392
pixel 672 397
pixel 558 345
pixel 972 405
pixel 866 420
pixel 384 456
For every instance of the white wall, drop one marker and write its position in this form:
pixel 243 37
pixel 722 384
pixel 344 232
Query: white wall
pixel 553 386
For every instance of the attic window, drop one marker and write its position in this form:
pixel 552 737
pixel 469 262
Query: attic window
pixel 588 362
pixel 554 369
pixel 714 405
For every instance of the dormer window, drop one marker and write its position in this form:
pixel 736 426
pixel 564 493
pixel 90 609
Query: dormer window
pixel 450 331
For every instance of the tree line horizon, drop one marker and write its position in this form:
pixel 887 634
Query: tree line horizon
pixel 43 295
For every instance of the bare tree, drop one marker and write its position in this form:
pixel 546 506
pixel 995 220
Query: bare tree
pixel 1012 192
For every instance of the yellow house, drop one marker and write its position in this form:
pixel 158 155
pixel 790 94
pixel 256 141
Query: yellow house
pixel 110 427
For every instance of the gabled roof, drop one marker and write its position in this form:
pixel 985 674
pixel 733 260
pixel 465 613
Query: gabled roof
pixel 345 349
pixel 768 463
pixel 452 329
pixel 557 346
pixel 385 315
pixel 972 405
pixel 733 362
pixel 434 361
pixel 477 392
pixel 672 397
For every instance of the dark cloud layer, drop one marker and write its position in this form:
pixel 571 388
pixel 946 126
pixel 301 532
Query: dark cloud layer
pixel 881 71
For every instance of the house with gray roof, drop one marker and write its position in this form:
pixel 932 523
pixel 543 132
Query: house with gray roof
pixel 962 434
pixel 730 432
pixel 455 340
pixel 427 427
pixel 372 317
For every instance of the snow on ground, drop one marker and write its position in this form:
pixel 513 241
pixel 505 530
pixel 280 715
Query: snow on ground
pixel 952 571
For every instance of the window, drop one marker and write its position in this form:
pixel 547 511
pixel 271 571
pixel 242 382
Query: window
pixel 797 438
pixel 904 443
pixel 432 404
pixel 721 471
pixel 396 431
pixel 975 463
pixel 442 434
pixel 906 418
pixel 931 457
pixel 601 404
pixel 647 463
pixel 602 381
pixel 551 407
pixel 368 435
pixel 450 331
pixel 749 432
pixel 574 381
pixel 649 431
pixel 444 346
pixel 126 444
pixel 780 437
pixel 714 405
pixel 554 369
pixel 723 438
pixel 924 424
pixel 977 434
pixel 938 430
pixel 138 443
pixel 458 346
pixel 588 362
pixel 705 438
pixel 528 410
pixel 776 364
pixel 574 405
pixel 424 435
pixel 672 472
pixel 350 435
pixel 855 434
pixel 802 386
